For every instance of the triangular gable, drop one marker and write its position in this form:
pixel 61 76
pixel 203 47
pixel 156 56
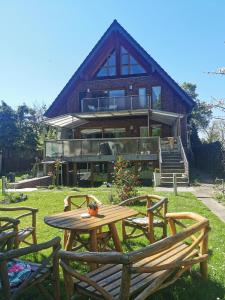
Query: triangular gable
pixel 115 27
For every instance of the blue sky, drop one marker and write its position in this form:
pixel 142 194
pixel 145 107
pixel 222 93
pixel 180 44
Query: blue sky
pixel 43 42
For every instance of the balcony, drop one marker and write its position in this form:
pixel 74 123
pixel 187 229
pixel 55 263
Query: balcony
pixel 114 103
pixel 82 150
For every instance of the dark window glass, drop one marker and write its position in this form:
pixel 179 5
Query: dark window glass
pixel 109 66
pixel 156 97
pixel 129 65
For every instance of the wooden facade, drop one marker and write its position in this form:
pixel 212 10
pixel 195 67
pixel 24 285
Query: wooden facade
pixel 119 91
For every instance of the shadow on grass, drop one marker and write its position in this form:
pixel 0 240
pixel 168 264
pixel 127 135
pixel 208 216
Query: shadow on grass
pixel 191 286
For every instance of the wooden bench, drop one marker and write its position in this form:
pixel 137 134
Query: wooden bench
pixel 141 273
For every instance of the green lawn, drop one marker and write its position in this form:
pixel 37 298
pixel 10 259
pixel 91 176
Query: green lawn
pixel 190 286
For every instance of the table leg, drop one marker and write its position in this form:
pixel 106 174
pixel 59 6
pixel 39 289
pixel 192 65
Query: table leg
pixel 115 237
pixel 93 245
pixel 69 241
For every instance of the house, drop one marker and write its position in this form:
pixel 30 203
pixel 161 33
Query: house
pixel 119 102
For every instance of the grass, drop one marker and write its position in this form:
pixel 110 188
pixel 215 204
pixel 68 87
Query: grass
pixel 186 288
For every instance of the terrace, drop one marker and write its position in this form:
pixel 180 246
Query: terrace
pixel 118 103
pixel 79 150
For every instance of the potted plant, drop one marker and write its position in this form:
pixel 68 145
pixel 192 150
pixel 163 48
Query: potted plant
pixel 93 208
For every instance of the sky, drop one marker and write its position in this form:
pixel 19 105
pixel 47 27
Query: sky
pixel 43 42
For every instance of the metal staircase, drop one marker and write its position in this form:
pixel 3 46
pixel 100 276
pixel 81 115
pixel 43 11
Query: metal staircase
pixel 173 160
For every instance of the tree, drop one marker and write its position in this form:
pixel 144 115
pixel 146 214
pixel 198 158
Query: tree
pixel 202 113
pixel 216 132
pixel 219 103
pixel 28 136
pixel 8 128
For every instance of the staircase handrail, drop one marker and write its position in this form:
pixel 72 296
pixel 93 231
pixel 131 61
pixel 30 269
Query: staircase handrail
pixel 160 156
pixel 184 157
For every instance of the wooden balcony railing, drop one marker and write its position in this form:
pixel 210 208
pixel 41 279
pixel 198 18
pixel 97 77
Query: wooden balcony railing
pixel 107 149
pixel 115 103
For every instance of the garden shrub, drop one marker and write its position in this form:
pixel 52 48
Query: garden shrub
pixel 125 179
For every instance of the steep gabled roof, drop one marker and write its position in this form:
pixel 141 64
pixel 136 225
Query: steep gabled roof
pixel 116 27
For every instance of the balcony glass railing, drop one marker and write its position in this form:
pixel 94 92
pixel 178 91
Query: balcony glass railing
pixel 114 103
pixel 101 147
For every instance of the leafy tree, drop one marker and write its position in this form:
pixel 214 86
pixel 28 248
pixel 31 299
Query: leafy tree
pixel 202 112
pixel 26 125
pixel 125 179
pixel 9 132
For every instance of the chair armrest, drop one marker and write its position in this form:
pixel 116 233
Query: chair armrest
pixel 18 208
pixel 187 215
pixel 158 204
pixel 95 257
pixel 31 249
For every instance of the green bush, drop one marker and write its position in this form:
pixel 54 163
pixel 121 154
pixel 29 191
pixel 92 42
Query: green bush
pixel 125 179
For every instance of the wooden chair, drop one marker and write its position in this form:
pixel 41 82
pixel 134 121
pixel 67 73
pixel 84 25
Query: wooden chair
pixel 24 233
pixel 8 225
pixel 40 272
pixel 145 223
pixel 73 202
pixel 141 273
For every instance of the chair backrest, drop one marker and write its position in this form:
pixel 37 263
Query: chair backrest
pixel 194 236
pixel 7 240
pixel 8 225
pixel 79 201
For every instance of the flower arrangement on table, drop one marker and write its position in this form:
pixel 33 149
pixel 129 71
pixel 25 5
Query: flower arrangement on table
pixel 93 208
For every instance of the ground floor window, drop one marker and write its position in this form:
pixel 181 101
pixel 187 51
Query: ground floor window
pixel 114 132
pixel 143 131
pixel 156 130
pixel 93 133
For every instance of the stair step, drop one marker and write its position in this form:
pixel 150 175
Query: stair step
pixel 171 185
pixel 171 174
pixel 169 170
pixel 170 179
pixel 173 166
pixel 176 161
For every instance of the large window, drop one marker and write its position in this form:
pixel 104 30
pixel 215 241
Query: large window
pixel 114 132
pixel 92 133
pixel 156 97
pixel 143 100
pixel 109 66
pixel 129 65
pixel 143 131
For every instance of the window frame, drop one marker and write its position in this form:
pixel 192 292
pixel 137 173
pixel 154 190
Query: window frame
pixel 152 103
pixel 129 65
pixel 107 66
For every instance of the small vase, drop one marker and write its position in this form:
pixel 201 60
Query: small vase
pixel 93 212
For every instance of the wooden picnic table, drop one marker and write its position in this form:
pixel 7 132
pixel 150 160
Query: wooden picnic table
pixel 72 221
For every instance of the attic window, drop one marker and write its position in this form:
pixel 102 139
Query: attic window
pixel 109 66
pixel 129 65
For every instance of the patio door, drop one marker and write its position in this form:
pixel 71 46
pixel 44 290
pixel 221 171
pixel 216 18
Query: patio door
pixel 142 98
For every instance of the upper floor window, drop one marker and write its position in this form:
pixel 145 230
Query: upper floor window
pixel 156 97
pixel 109 66
pixel 129 65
